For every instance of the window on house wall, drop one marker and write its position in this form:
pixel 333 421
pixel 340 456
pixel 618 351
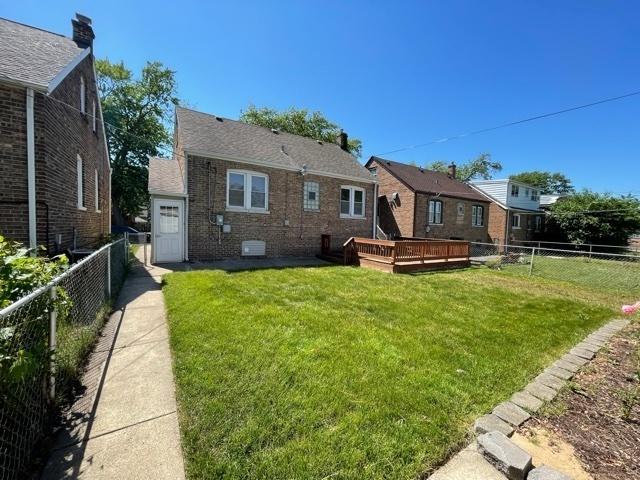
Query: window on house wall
pixel 435 212
pixel 538 223
pixel 374 171
pixel 80 182
pixel 515 190
pixel 515 220
pixel 93 115
pixel 351 202
pixel 477 215
pixel 535 195
pixel 96 192
pixel 248 191
pixel 83 96
pixel 311 200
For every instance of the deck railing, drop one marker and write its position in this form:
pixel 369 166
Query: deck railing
pixel 405 251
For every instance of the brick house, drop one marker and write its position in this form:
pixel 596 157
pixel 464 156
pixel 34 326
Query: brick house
pixel 514 214
pixel 234 189
pixel 414 202
pixel 54 165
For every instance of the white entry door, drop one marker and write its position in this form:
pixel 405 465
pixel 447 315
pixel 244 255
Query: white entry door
pixel 168 230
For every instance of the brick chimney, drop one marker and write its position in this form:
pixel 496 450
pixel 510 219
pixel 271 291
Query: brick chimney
pixel 342 141
pixel 82 32
pixel 451 170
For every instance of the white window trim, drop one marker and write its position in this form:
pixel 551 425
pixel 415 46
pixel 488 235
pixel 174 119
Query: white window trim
pixel 80 182
pixel 517 190
pixel 352 202
pixel 96 180
pixel 516 215
pixel 83 95
pixel 441 222
pixel 93 118
pixel 474 215
pixel 247 191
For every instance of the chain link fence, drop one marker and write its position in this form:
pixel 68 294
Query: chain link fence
pixel 45 339
pixel 610 272
pixel 631 249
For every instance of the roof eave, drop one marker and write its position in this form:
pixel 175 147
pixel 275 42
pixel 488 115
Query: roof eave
pixel 62 74
pixel 24 84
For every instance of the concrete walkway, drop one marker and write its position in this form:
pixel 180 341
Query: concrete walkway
pixel 125 425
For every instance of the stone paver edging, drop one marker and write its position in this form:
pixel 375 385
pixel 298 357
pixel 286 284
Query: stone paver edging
pixel 495 428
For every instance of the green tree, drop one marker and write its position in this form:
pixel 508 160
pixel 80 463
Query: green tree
pixel 547 182
pixel 298 122
pixel 137 114
pixel 479 167
pixel 597 218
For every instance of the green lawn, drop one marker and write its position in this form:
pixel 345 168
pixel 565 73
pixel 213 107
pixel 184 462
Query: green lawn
pixel 342 372
pixel 616 277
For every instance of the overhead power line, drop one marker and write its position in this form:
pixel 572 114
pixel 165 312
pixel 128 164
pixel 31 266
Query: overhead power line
pixel 510 124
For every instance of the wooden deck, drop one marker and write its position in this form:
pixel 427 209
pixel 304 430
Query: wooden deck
pixel 401 256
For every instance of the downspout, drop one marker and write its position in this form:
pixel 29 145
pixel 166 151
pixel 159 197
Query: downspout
pixel 31 173
pixel 375 211
pixel 186 209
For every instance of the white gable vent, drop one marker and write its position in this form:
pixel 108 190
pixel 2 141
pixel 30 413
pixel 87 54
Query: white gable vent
pixel 253 248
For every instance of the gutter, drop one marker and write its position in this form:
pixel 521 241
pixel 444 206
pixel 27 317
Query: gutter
pixel 31 173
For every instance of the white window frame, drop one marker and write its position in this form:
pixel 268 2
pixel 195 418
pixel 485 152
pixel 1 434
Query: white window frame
pixel 538 223
pixel 519 222
pixel 352 189
pixel 535 195
pixel 515 190
pixel 248 174
pixel 80 181
pixel 93 118
pixel 96 180
pixel 431 212
pixel 474 216
pixel 83 96
pixel 310 186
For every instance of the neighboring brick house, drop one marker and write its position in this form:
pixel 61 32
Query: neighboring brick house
pixel 414 202
pixel 515 214
pixel 54 165
pixel 234 189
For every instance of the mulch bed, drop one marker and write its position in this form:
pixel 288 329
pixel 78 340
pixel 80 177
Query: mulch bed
pixel 588 414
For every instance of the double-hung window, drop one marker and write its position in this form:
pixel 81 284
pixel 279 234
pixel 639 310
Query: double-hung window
pixel 97 190
pixel 80 181
pixel 93 116
pixel 247 191
pixel 435 212
pixel 351 202
pixel 83 96
pixel 515 221
pixel 477 215
pixel 515 190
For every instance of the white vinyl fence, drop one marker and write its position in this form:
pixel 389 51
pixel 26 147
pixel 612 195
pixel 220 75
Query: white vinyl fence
pixel 45 339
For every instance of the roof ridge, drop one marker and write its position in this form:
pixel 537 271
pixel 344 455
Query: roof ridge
pixel 37 28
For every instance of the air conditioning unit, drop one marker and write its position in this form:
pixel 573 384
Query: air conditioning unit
pixel 254 248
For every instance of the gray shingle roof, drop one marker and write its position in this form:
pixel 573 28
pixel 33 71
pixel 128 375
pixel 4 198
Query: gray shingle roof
pixel 165 176
pixel 429 181
pixel 210 135
pixel 31 55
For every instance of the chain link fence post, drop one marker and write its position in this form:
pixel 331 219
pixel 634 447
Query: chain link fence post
pixel 53 328
pixel 533 254
pixel 109 272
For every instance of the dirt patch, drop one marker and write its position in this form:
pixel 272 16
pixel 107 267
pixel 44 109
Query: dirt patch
pixel 599 413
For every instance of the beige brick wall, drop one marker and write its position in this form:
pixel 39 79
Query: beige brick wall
pixel 396 217
pixel 61 133
pixel 207 179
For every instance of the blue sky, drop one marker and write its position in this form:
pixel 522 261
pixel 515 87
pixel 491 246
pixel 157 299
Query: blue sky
pixel 396 74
